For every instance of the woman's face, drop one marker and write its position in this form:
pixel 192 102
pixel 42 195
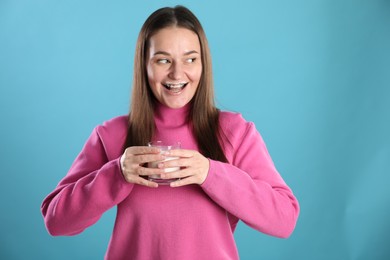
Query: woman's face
pixel 174 66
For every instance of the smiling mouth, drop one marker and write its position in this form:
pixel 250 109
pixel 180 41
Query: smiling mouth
pixel 175 88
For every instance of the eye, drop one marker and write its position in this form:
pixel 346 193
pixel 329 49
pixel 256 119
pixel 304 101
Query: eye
pixel 190 60
pixel 162 61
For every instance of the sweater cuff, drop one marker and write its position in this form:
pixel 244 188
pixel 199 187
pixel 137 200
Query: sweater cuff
pixel 212 177
pixel 119 174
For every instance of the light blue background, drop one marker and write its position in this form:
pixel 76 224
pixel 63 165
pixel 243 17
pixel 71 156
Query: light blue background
pixel 313 75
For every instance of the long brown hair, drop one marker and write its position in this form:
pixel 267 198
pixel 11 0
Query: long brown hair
pixel 203 116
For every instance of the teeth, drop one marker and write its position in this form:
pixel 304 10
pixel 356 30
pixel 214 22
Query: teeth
pixel 175 85
pixel 175 88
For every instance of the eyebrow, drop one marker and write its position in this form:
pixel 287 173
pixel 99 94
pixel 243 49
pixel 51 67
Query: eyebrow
pixel 167 54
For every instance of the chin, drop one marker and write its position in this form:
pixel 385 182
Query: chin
pixel 175 105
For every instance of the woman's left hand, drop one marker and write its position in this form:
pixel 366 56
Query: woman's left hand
pixel 194 167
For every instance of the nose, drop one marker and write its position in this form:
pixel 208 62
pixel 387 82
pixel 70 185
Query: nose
pixel 176 71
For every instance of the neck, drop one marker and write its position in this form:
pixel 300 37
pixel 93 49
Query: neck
pixel 171 116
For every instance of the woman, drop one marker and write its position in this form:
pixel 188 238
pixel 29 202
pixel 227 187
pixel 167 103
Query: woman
pixel 225 172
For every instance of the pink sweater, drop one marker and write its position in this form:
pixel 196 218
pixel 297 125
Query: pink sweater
pixel 190 222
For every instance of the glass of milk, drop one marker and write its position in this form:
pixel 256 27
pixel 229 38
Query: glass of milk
pixel 164 147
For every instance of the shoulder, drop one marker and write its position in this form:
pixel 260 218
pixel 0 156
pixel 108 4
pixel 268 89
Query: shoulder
pixel 114 125
pixel 234 127
pixel 115 122
pixel 112 133
pixel 233 122
pixel 227 116
pixel 233 130
pixel 236 131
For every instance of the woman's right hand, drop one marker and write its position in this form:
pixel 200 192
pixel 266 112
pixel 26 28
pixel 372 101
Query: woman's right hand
pixel 133 164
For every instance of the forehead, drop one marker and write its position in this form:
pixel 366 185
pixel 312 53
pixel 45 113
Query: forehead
pixel 174 39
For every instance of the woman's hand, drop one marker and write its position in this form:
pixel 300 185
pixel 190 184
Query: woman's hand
pixel 133 165
pixel 194 167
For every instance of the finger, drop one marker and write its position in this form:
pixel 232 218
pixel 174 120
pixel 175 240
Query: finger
pixel 144 158
pixel 144 171
pixel 130 170
pixel 183 182
pixel 147 183
pixel 137 150
pixel 184 173
pixel 181 153
pixel 142 181
pixel 183 162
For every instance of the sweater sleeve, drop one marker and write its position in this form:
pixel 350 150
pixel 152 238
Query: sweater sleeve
pixel 250 188
pixel 93 185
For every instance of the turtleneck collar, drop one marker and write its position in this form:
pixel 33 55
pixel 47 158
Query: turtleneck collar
pixel 171 116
